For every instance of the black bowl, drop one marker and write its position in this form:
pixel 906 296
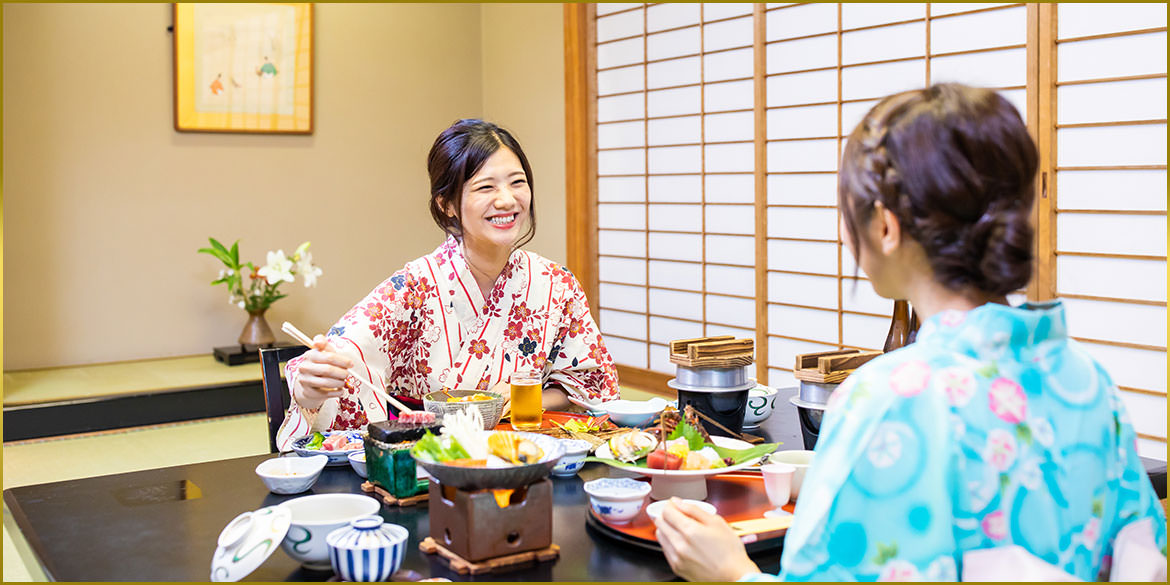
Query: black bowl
pixel 727 407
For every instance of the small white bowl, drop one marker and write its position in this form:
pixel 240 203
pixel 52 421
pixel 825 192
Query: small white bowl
pixel 574 458
pixel 761 404
pixel 314 517
pixel 799 459
pixel 357 460
pixel 654 510
pixel 617 501
pixel 633 413
pixel 291 475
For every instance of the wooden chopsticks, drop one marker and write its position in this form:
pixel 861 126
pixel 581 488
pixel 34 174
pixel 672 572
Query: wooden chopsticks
pixel 290 329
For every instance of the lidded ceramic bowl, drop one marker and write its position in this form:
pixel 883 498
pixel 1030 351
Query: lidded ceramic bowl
pixel 368 549
pixel 617 500
pixel 571 462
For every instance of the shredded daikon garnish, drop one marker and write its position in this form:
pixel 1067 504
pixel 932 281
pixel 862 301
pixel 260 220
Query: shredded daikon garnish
pixel 466 427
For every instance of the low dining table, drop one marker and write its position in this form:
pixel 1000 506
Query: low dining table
pixel 162 524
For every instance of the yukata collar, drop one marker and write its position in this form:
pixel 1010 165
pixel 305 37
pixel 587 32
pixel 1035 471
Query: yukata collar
pixel 456 252
pixel 1026 325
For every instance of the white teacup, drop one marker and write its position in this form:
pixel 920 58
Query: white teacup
pixel 314 517
pixel 778 482
pixel 798 459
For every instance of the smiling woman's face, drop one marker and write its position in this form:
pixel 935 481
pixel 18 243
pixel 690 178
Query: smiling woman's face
pixel 495 203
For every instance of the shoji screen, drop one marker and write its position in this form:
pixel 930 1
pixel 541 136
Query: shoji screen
pixel 675 186
pixel 827 64
pixel 689 97
pixel 1110 197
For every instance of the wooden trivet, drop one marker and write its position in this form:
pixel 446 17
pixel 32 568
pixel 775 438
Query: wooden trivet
pixel 464 567
pixel 390 500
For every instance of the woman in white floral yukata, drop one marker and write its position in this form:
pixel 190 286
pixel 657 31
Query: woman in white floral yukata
pixel 992 448
pixel 467 315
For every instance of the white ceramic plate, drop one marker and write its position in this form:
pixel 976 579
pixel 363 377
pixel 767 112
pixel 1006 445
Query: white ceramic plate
pixel 691 484
pixel 335 457
pixel 602 452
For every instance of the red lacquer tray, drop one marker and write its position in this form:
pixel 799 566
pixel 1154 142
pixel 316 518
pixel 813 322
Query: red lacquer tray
pixel 546 421
pixel 736 496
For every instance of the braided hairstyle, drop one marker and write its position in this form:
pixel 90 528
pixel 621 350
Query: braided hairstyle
pixel 955 164
pixel 457 154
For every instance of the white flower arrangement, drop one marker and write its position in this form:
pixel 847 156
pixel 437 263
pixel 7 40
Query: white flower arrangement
pixel 263 286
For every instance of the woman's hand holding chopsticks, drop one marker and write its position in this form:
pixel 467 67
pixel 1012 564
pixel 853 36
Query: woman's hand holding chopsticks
pixel 322 373
pixel 323 354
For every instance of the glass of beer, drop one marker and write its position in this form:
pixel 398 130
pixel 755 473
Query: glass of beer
pixel 526 400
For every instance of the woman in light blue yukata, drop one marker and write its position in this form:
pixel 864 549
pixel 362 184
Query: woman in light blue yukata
pixel 992 433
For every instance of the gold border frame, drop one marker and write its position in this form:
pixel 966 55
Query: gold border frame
pixel 186 119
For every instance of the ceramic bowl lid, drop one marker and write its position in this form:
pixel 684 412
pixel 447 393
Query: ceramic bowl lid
pixel 247 541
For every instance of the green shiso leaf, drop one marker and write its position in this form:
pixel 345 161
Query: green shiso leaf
pixel 741 455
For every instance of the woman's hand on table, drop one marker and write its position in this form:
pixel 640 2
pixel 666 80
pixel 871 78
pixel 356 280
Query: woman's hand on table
pixel 701 546
pixel 321 373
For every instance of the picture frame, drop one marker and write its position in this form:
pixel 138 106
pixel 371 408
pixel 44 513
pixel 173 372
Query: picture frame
pixel 244 67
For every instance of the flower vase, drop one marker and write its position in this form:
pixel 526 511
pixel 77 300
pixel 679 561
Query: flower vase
pixel 256 331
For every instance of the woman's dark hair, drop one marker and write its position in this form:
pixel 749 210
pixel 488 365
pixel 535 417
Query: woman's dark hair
pixel 956 165
pixel 458 153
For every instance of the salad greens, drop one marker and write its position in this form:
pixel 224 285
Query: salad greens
pixel 316 442
pixel 432 448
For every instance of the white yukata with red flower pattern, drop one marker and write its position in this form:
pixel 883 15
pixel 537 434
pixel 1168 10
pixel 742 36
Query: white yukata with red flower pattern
pixel 428 327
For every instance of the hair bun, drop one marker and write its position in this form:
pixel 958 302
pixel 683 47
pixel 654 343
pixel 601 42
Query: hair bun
pixel 1001 243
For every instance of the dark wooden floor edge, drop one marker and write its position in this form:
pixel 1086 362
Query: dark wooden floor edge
pixel 72 417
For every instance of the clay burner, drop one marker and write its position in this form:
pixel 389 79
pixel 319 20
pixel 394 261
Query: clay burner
pixel 486 524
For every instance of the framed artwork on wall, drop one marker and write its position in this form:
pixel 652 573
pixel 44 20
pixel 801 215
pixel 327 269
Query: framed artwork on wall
pixel 244 68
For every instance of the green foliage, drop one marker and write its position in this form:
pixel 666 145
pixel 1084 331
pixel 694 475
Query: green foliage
pixel 1024 433
pixel 247 288
pixel 885 553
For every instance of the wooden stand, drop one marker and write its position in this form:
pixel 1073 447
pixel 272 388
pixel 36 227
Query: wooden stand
pixel 721 351
pixel 830 367
pixel 498 564
pixel 234 355
pixel 390 500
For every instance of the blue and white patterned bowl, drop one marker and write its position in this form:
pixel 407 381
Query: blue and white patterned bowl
pixel 574 458
pixel 335 457
pixel 617 500
pixel 368 549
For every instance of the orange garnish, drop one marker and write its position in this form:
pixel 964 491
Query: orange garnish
pixel 467 462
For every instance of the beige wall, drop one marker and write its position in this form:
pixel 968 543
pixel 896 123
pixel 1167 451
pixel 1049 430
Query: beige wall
pixel 105 204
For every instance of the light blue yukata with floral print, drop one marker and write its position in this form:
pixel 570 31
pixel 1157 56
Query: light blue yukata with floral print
pixel 994 428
